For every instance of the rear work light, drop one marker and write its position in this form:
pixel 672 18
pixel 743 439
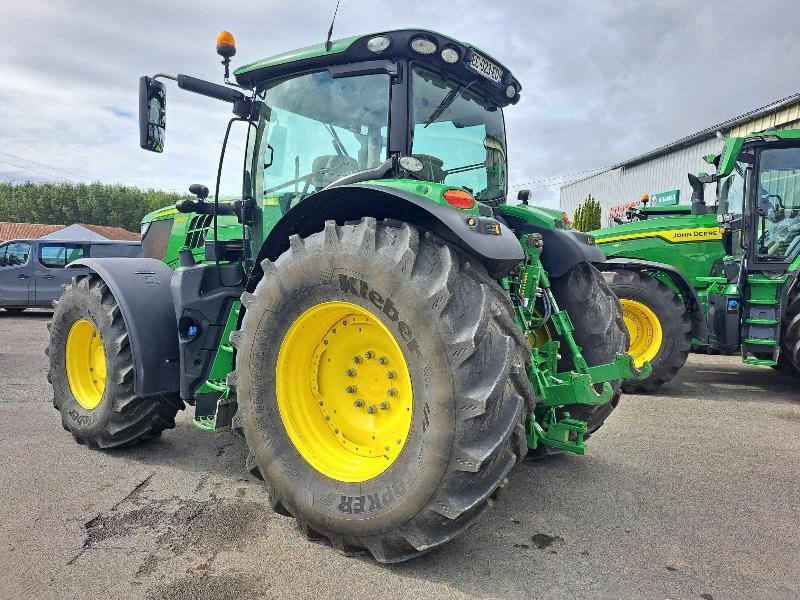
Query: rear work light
pixel 459 199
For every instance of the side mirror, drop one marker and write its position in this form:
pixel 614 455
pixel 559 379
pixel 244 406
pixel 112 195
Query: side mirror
pixel 152 114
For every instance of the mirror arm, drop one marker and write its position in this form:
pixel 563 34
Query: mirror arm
pixel 165 76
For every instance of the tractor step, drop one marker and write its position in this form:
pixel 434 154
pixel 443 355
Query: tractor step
pixel 762 362
pixel 761 321
pixel 761 342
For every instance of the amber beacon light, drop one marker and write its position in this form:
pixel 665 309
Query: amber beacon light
pixel 226 44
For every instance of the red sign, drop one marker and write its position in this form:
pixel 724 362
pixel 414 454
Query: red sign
pixel 619 209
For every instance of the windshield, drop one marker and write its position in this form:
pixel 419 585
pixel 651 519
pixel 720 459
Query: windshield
pixel 458 135
pixel 316 129
pixel 778 204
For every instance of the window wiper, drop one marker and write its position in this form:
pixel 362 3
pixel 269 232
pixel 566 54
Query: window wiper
pixel 446 102
pixel 337 142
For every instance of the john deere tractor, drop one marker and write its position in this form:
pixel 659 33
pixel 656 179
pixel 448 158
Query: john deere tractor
pixel 722 277
pixel 389 336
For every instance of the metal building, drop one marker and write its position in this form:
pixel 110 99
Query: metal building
pixel 661 173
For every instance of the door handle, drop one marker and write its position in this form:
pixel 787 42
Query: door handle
pixel 48 276
pixel 23 276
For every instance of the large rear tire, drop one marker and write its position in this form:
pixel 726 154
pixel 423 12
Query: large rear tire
pixel 599 331
pixel 790 335
pixel 437 315
pixel 659 326
pixel 91 371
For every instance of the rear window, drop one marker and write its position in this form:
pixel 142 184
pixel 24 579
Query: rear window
pixel 57 256
pixel 156 239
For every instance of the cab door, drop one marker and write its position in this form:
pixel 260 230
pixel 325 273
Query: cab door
pixel 15 274
pixel 50 272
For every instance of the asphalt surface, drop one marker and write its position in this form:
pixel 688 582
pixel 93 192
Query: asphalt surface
pixel 693 493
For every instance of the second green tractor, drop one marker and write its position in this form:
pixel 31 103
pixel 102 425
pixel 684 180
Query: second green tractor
pixel 723 277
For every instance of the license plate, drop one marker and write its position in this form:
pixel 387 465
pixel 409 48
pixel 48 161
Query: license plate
pixel 485 67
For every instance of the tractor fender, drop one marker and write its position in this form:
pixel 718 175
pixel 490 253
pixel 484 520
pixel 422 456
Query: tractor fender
pixel 699 326
pixel 342 203
pixel 141 287
pixel 563 248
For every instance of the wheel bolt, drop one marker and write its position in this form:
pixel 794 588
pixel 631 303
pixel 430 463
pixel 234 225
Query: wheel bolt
pixel 386 448
pixel 351 389
pixel 383 360
pixel 350 372
pixel 384 405
pixel 369 354
pixel 390 374
pixel 358 403
pixel 371 409
pixel 391 392
pixel 357 359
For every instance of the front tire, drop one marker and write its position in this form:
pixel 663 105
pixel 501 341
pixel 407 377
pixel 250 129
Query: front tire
pixel 91 371
pixel 468 396
pixel 789 361
pixel 659 326
pixel 599 331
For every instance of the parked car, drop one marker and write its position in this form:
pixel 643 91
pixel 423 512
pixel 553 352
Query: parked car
pixel 33 271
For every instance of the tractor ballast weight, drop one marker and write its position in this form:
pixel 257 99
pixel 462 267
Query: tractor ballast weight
pixel 388 334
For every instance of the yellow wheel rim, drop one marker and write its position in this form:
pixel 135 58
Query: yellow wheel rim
pixel 644 329
pixel 85 364
pixel 344 391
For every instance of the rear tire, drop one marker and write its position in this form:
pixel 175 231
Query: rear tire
pixel 470 392
pixel 120 417
pixel 673 320
pixel 599 331
pixel 789 361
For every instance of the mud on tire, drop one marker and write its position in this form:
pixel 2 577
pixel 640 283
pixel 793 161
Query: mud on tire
pixel 122 418
pixel 675 323
pixel 467 362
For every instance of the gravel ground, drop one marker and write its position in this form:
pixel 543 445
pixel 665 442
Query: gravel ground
pixel 693 493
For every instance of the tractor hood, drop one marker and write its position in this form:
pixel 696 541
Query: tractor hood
pixel 673 228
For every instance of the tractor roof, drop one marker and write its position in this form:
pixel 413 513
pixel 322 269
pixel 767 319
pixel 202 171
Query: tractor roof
pixel 354 49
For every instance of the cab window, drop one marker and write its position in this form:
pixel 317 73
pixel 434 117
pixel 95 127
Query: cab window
pixel 316 129
pixel 60 255
pixel 778 204
pixel 14 254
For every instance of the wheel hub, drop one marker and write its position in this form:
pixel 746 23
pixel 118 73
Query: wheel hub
pixel 85 364
pixel 644 329
pixel 344 391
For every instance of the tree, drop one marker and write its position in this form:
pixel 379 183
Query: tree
pixel 67 203
pixel 587 215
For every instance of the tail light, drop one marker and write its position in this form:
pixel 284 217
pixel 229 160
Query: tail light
pixel 459 199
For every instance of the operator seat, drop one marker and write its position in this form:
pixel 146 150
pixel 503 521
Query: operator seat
pixel 329 167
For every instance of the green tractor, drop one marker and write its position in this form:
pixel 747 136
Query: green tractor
pixel 389 336
pixel 723 278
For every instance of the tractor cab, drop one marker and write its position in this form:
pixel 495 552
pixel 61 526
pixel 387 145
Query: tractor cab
pixel 758 198
pixel 407 105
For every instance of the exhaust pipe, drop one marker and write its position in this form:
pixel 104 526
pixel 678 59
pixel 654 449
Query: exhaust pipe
pixel 698 195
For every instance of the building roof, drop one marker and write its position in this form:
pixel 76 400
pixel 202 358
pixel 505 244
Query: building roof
pixel 704 134
pixel 32 231
pixel 710 132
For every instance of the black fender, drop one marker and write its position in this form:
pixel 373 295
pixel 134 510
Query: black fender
pixel 563 248
pixel 699 326
pixel 141 287
pixel 498 253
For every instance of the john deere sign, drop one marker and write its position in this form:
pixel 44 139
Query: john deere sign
pixel 665 198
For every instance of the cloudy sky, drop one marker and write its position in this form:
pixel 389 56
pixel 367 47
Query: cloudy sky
pixel 602 81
